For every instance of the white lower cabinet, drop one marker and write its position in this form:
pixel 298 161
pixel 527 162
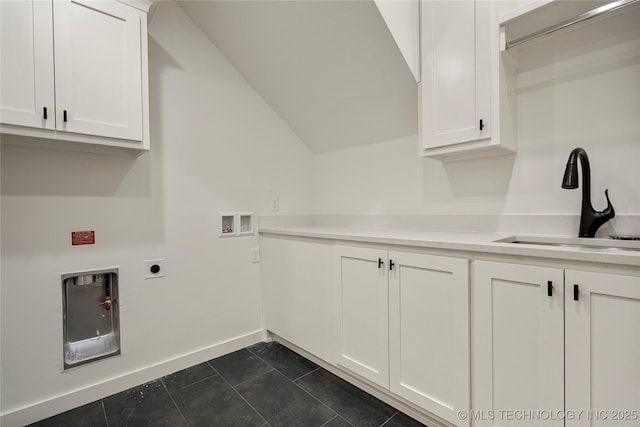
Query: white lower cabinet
pixel 402 322
pixel 362 313
pixel 429 332
pixel 525 345
pixel 518 341
pixel 602 351
pixel 549 353
pixel 297 292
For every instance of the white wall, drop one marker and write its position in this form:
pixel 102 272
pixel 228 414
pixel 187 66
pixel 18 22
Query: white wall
pixel 578 89
pixel 216 146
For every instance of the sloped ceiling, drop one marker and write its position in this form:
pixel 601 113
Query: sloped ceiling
pixel 330 69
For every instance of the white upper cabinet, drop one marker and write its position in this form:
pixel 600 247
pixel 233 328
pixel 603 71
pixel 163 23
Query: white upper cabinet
pixel 26 55
pixel 455 96
pixel 98 67
pixel 98 50
pixel 461 76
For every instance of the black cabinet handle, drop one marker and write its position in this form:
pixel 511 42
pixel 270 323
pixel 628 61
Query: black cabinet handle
pixel 64 115
pixel 481 124
pixel 380 263
pixel 44 113
pixel 391 264
pixel 576 292
pixel 550 288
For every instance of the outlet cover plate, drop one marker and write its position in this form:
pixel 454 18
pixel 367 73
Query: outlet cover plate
pixel 254 255
pixel 148 273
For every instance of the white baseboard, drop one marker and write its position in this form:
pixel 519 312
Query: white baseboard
pixel 75 398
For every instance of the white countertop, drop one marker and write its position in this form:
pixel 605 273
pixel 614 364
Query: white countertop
pixel 627 254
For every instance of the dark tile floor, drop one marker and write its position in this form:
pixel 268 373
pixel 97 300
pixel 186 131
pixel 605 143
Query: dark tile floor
pixel 263 385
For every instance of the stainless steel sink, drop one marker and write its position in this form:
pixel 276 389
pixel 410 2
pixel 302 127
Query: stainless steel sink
pixel 603 245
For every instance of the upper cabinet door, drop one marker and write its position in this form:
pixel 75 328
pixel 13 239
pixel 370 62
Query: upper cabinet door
pixel 26 37
pixel 98 63
pixel 456 73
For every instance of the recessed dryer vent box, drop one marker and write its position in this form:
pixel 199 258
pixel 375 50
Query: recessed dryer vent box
pixel 91 320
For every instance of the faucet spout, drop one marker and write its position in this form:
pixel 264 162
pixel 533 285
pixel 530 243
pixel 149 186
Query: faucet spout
pixel 590 219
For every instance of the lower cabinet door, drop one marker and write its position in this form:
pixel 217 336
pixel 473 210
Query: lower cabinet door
pixel 518 345
pixel 602 321
pixel 362 342
pixel 429 332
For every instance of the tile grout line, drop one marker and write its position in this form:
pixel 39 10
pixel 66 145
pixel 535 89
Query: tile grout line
pixel 190 384
pixel 344 418
pixel 277 370
pixel 295 384
pixel 340 417
pixel 242 397
pixel 328 421
pixel 309 373
pixel 175 404
pixel 304 375
pixel 104 412
pixel 249 379
pixel 303 390
pixel 389 419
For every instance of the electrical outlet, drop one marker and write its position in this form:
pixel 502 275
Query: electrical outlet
pixel 255 255
pixel 275 203
pixel 154 268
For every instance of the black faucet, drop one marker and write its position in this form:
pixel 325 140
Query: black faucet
pixel 590 219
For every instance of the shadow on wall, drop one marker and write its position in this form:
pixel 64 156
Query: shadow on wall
pixel 36 171
pixel 161 59
pixel 477 181
pixel 603 46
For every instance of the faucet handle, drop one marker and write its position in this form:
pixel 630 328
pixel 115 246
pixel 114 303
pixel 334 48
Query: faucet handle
pixel 608 211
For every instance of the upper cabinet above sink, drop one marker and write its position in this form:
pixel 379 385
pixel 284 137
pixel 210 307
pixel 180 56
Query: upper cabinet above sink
pixel 467 98
pixel 477 56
